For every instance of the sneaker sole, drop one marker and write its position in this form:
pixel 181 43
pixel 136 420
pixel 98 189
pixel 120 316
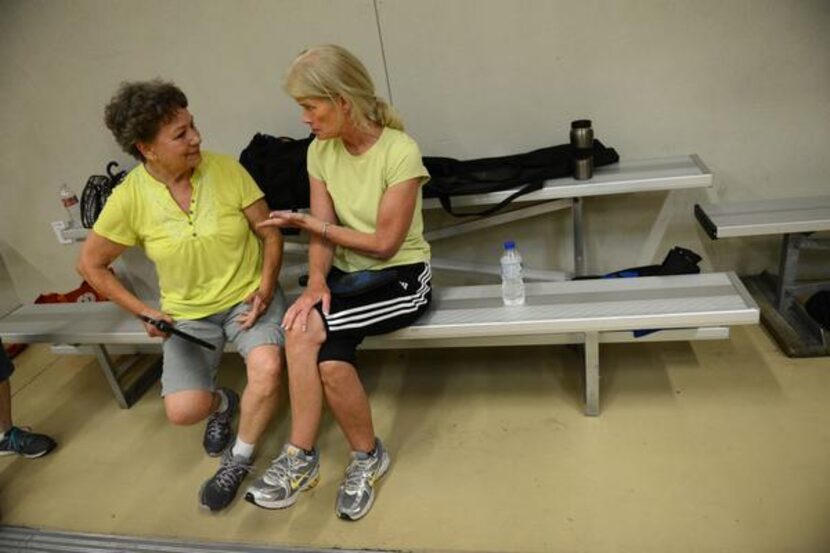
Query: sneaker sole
pixel 251 498
pixel 27 455
pixel 345 516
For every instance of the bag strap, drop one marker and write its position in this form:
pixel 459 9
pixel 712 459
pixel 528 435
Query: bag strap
pixel 446 201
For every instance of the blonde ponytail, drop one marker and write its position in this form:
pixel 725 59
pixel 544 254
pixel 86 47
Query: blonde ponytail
pixel 387 116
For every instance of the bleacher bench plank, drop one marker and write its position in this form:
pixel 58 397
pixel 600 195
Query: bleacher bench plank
pixel 625 177
pixel 764 217
pixel 586 312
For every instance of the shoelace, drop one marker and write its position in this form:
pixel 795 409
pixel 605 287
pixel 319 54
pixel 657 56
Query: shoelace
pixel 18 438
pixel 282 468
pixel 231 473
pixel 358 474
pixel 217 426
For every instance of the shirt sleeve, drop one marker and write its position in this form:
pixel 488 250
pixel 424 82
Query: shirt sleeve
pixel 249 191
pixel 313 161
pixel 114 222
pixel 406 164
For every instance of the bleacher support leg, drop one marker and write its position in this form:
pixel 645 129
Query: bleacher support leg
pixel 592 374
pixel 580 265
pixel 147 367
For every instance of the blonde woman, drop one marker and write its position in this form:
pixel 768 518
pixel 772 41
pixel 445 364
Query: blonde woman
pixel 368 271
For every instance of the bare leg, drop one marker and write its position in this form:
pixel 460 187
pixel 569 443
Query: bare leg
pixel 348 403
pixel 261 394
pixel 5 406
pixel 190 406
pixel 304 384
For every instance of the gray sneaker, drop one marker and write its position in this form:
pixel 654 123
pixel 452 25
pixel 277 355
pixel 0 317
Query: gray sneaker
pixel 289 474
pixel 218 432
pixel 357 491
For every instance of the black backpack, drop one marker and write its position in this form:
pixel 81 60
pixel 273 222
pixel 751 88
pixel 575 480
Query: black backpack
pixel 96 192
pixel 525 172
pixel 279 168
pixel 818 307
pixel 679 261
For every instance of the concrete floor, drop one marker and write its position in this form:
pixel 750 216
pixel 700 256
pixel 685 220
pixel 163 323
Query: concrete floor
pixel 708 446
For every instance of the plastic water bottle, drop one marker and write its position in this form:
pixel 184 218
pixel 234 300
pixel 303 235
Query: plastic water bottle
pixel 73 207
pixel 512 280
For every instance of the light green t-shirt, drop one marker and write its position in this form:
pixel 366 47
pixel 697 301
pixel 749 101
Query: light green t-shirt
pixel 356 185
pixel 208 259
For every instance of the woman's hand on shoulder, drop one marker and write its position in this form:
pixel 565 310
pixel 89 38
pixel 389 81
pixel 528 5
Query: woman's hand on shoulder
pixel 297 315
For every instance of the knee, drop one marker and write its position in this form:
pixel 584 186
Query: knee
pixel 188 411
pixel 299 341
pixel 331 375
pixel 264 374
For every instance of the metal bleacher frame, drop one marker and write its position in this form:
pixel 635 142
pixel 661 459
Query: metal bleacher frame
pixel 472 316
pixel 796 220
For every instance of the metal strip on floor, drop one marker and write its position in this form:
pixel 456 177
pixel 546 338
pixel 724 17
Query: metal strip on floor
pixel 18 539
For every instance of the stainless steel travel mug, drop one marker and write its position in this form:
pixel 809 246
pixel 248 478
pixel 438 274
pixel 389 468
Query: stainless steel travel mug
pixel 582 135
pixel 583 167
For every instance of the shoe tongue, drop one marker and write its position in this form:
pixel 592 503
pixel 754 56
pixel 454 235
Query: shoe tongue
pixel 361 455
pixel 239 459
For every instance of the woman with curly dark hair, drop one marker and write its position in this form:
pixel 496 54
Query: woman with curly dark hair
pixel 195 215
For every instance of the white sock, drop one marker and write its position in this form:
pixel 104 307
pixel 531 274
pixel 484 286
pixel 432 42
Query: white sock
pixel 243 449
pixel 223 401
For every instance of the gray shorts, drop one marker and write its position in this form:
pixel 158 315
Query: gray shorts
pixel 187 366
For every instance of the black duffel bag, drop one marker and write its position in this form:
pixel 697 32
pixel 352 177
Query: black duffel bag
pixel 278 165
pixel 524 172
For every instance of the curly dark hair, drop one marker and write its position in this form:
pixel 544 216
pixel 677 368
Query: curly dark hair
pixel 138 110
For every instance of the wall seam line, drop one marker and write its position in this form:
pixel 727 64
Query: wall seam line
pixel 383 52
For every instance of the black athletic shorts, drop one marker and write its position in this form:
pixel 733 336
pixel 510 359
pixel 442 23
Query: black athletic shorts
pixel 6 367
pixel 392 305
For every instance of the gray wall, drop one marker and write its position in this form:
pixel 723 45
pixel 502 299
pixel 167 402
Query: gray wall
pixel 743 83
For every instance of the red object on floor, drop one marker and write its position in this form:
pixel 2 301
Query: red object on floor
pixel 13 350
pixel 83 293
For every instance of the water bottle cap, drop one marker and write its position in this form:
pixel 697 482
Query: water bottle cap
pixel 510 245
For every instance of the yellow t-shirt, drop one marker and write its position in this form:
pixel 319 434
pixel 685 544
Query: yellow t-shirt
pixel 207 260
pixel 356 185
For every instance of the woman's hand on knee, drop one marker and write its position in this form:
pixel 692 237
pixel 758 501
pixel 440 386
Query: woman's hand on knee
pixel 258 304
pixel 296 317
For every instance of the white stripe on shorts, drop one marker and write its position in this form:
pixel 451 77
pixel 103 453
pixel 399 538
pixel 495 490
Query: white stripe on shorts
pixel 369 314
